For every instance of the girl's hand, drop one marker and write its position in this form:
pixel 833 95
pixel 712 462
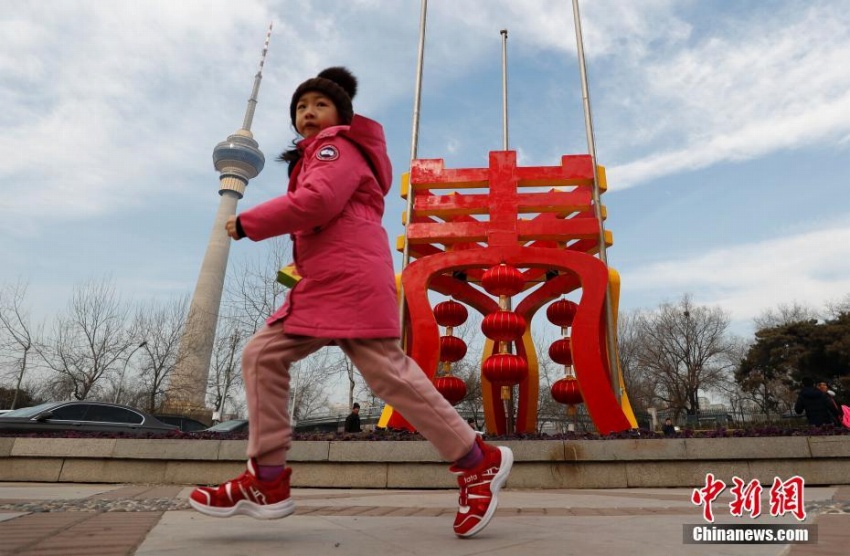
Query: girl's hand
pixel 230 226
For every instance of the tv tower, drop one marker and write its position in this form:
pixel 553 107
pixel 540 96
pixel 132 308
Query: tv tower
pixel 237 159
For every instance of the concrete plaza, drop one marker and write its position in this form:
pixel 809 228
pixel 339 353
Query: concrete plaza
pixel 148 519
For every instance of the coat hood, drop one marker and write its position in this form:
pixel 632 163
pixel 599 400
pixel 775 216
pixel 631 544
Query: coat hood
pixel 369 137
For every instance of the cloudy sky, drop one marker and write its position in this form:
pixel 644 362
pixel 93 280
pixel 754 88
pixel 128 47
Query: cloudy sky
pixel 724 127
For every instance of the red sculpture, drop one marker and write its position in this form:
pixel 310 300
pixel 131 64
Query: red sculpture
pixel 503 231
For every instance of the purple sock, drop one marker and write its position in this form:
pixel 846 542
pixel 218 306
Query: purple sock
pixel 471 459
pixel 268 473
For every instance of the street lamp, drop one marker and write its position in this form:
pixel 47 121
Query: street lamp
pixel 124 370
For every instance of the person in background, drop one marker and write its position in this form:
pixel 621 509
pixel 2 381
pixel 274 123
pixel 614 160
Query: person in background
pixel 668 429
pixel 352 422
pixel 820 409
pixel 824 387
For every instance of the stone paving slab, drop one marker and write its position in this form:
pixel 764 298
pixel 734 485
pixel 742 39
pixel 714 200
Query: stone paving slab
pixel 186 533
pixel 152 519
pixel 833 537
pixel 52 491
pixel 6 516
pixel 76 533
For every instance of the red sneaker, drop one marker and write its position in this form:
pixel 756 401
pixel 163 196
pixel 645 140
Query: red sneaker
pixel 246 495
pixel 479 488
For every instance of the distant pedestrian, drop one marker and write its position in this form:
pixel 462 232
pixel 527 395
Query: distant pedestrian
pixel 339 174
pixel 836 410
pixel 819 407
pixel 668 429
pixel 352 422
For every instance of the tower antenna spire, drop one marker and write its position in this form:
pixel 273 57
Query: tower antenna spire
pixel 252 102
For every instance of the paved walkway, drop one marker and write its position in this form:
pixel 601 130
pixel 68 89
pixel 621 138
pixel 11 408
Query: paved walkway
pixel 146 520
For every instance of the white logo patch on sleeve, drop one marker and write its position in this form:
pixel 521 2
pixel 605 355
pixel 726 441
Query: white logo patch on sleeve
pixel 327 153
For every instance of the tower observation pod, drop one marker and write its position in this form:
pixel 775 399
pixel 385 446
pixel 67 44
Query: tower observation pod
pixel 237 159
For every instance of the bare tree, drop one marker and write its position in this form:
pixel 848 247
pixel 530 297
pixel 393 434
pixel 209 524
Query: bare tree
pixel 252 293
pixel 549 372
pixel 366 397
pixel 641 384
pixel 469 370
pixel 838 307
pixel 225 378
pixel 309 379
pixel 157 329
pixel 17 334
pixel 686 349
pixel 90 340
pixel 351 374
pixel 785 314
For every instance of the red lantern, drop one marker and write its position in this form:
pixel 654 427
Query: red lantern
pixel 452 348
pixel 505 369
pixel 566 391
pixel 450 313
pixel 502 280
pixel 561 352
pixel 562 312
pixel 451 387
pixel 503 326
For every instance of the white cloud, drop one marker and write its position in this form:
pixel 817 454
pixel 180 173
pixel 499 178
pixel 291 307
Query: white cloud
pixel 746 91
pixel 608 26
pixel 746 279
pixel 97 115
pixel 109 105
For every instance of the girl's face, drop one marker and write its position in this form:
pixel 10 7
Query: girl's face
pixel 313 113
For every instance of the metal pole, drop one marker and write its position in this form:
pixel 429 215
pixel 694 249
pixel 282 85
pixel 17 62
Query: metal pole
pixel 124 370
pixel 611 332
pixel 504 33
pixel 414 146
pixel 417 94
pixel 505 301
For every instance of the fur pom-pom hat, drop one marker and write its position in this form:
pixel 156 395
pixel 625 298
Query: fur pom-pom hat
pixel 337 83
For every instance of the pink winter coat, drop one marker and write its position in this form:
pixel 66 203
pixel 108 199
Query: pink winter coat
pixel 333 211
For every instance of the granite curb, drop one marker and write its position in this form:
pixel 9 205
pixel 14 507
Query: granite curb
pixel 620 463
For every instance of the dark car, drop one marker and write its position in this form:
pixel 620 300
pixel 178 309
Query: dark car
pixel 227 427
pixel 83 416
pixel 186 424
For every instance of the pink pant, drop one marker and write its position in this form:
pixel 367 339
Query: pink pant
pixel 389 372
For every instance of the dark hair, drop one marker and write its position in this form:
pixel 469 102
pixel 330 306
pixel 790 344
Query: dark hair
pixel 291 157
pixel 339 85
pixel 355 406
pixel 336 83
